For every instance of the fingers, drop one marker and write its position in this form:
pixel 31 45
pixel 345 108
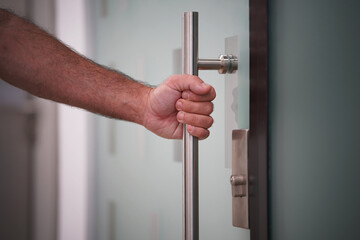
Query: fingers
pixel 196 120
pixel 188 82
pixel 199 98
pixel 200 133
pixel 195 104
pixel 203 108
pixel 197 124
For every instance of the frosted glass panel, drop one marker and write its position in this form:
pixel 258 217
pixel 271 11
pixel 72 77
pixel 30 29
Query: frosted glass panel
pixel 138 175
pixel 314 120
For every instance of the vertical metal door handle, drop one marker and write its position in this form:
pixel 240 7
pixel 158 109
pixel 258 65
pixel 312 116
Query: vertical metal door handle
pixel 190 143
pixel 190 65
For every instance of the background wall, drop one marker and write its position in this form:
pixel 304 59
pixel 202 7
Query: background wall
pixel 28 148
pixel 314 119
pixel 74 132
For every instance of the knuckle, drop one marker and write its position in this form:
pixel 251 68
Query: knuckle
pixel 192 107
pixel 210 107
pixel 192 96
pixel 171 79
pixel 198 120
pixel 192 119
pixel 206 121
pixel 213 93
pixel 204 133
pixel 186 95
pixel 201 108
pixel 207 133
pixel 210 121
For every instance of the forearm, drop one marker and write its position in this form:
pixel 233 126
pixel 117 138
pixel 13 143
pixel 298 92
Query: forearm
pixel 36 62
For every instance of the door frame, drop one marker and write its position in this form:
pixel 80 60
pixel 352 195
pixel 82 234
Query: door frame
pixel 259 131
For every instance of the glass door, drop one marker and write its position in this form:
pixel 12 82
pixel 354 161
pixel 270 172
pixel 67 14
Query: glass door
pixel 138 175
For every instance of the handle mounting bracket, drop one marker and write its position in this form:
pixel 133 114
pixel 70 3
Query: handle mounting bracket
pixel 226 63
pixel 239 179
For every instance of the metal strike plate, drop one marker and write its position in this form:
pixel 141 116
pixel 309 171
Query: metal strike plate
pixel 239 179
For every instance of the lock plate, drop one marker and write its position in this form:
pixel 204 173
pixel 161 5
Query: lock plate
pixel 239 179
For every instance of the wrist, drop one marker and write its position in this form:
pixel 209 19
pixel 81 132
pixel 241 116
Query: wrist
pixel 144 104
pixel 134 102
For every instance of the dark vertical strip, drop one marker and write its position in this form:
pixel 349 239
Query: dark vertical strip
pixel 258 135
pixel 112 219
pixel 30 124
pixel 31 138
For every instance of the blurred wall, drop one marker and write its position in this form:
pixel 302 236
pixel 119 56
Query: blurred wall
pixel 314 119
pixel 28 148
pixel 74 132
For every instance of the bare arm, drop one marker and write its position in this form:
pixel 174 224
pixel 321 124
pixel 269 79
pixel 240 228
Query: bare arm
pixel 35 61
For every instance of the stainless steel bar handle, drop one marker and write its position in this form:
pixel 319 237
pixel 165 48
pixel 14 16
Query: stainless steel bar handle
pixel 190 143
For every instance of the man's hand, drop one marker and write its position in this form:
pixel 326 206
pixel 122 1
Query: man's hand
pixel 180 99
pixel 34 61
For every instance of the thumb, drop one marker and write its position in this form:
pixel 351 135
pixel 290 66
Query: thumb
pixel 188 82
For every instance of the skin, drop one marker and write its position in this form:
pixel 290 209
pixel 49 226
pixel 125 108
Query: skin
pixel 38 63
